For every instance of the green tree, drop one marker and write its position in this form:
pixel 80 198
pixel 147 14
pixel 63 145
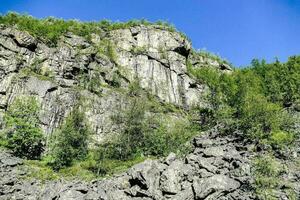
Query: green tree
pixel 23 134
pixel 133 120
pixel 70 141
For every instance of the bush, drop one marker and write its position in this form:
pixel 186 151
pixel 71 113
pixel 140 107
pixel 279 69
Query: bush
pixel 51 29
pixel 106 47
pixel 102 166
pixel 266 175
pixel 281 139
pixel 23 134
pixel 145 133
pixel 70 142
pixel 167 134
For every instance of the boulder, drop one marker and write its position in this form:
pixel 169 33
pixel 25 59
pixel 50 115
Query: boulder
pixel 214 185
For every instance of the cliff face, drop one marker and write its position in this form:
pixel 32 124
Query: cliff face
pixel 57 76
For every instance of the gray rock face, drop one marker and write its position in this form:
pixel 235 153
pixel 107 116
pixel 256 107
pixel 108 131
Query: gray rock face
pixel 213 187
pixel 194 176
pixel 76 67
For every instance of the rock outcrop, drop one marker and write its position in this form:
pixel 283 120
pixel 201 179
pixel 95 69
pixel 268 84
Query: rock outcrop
pixel 57 76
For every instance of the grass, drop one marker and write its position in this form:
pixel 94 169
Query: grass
pixel 27 71
pixel 79 170
pixel 268 180
pixel 107 48
pixel 50 29
pixel 212 56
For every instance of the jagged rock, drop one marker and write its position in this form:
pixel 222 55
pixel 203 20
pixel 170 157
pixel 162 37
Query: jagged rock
pixel 170 178
pixel 145 175
pixel 214 151
pixel 155 56
pixel 170 158
pixel 214 185
pixel 191 177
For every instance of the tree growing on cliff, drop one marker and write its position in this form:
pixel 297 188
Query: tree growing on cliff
pixel 69 142
pixel 23 134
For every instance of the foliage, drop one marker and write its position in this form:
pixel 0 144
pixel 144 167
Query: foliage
pixel 139 50
pixel 266 175
pixel 281 139
pixel 281 80
pixel 106 47
pixel 91 81
pixel 222 89
pixel 23 134
pixel 70 142
pixel 103 166
pixel 143 134
pixel 253 100
pixel 42 171
pixel 51 29
pixel 206 54
pixel 170 135
pixel 45 75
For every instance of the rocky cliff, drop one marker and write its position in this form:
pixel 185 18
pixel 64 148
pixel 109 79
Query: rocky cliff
pixel 96 73
pixel 57 76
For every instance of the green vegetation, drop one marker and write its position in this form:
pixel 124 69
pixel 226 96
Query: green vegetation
pixel 139 50
pixel 51 29
pixel 143 134
pixel 214 57
pixel 91 82
pixel 256 100
pixel 147 131
pixel 107 48
pixel 267 180
pixel 44 75
pixel 23 134
pixel 70 142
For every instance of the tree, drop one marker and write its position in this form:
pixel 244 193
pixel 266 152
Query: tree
pixel 70 141
pixel 24 136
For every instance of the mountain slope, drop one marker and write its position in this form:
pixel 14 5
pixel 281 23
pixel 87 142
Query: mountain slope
pixel 88 100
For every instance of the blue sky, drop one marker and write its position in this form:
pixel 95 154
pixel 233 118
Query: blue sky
pixel 238 30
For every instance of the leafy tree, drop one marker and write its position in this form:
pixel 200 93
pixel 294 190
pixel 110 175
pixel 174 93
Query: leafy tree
pixel 70 141
pixel 23 134
pixel 281 81
pixel 253 99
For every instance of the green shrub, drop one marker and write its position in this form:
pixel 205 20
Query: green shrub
pixel 281 139
pixel 281 80
pixel 70 142
pixel 23 134
pixel 103 166
pixel 51 29
pixel 106 47
pixel 166 135
pixel 139 50
pixel 145 133
pixel 266 175
pixel 212 56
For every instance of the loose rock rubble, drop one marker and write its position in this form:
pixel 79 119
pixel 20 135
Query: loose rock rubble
pixel 217 168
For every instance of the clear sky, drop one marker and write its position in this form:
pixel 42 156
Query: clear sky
pixel 238 30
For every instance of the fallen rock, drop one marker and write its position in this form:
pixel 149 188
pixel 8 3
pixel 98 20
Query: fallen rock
pixel 215 185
